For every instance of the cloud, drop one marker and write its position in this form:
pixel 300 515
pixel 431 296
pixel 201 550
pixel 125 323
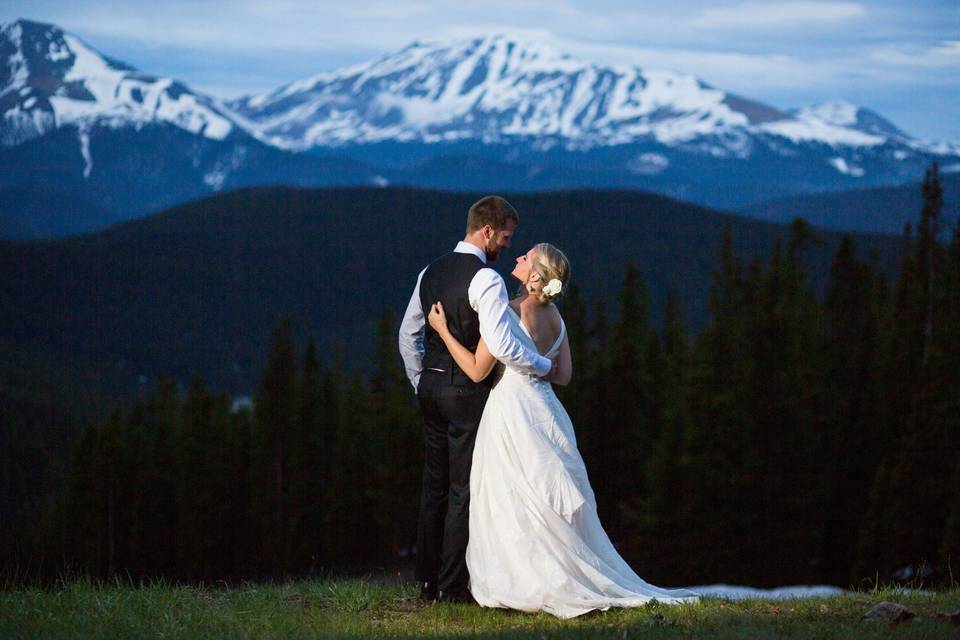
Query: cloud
pixel 943 55
pixel 481 30
pixel 722 68
pixel 752 15
pixel 509 8
pixel 787 81
pixel 386 10
pixel 303 26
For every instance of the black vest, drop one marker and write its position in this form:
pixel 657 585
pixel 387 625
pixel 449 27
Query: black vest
pixel 447 280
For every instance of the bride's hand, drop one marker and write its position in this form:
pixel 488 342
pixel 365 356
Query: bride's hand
pixel 437 318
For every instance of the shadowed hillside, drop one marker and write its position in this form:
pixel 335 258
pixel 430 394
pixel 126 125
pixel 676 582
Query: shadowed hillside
pixel 874 210
pixel 196 288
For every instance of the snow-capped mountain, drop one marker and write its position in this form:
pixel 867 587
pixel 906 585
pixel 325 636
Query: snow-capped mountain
pixel 506 111
pixel 52 78
pixel 502 89
pixel 53 81
pixel 86 140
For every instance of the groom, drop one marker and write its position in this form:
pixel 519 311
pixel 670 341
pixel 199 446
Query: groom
pixel 474 297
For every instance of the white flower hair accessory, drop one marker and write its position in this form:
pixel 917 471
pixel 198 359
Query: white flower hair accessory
pixel 553 288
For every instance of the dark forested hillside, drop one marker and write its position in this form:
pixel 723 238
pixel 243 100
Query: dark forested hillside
pixel 800 433
pixel 868 210
pixel 196 288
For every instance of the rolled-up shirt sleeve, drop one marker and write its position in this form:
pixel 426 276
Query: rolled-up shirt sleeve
pixel 488 297
pixel 411 336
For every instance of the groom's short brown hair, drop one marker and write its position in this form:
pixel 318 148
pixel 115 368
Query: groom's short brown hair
pixel 493 211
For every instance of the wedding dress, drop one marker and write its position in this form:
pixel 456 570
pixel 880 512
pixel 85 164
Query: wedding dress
pixel 536 542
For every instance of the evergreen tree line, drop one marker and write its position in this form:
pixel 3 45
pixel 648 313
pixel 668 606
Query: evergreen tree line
pixel 322 473
pixel 791 440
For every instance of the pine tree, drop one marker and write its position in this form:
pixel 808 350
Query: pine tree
pixel 332 394
pixel 240 533
pixel 656 515
pixel 221 475
pixel 917 389
pixel 154 510
pixel 200 498
pixel 789 423
pixel 929 252
pixel 107 476
pixel 593 431
pixel 950 545
pixel 82 507
pixel 396 445
pixel 275 411
pixel 716 515
pixel 630 430
pixel 852 445
pixel 355 535
pixel 945 409
pixel 894 380
pixel 871 546
pixel 309 465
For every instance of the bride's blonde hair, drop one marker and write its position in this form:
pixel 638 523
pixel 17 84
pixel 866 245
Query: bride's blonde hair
pixel 549 263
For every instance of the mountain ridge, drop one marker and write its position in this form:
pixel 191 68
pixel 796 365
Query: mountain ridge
pixel 80 126
pixel 498 88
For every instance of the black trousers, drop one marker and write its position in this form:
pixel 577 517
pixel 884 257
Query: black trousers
pixel 451 415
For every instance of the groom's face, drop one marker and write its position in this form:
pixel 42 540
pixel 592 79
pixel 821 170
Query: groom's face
pixel 498 240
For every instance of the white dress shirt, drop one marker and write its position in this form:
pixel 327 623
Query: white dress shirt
pixel 488 297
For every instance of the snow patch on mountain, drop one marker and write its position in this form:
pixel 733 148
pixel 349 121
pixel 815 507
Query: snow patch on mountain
pixel 17 63
pixel 121 97
pixel 813 130
pixel 85 152
pixel 843 166
pixel 648 164
pixel 217 175
pixel 939 147
pixel 22 124
pixel 836 112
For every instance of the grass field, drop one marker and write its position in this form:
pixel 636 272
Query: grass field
pixel 365 608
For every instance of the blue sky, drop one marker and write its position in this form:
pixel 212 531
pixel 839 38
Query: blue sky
pixel 901 59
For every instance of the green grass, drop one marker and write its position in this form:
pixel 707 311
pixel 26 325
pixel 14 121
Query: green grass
pixel 364 608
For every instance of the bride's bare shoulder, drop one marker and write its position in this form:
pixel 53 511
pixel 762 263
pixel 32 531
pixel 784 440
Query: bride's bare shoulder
pixel 555 318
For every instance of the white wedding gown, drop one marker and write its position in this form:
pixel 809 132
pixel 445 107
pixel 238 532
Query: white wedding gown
pixel 536 542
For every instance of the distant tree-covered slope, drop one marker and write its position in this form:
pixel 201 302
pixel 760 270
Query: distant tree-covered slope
pixel 199 286
pixel 873 210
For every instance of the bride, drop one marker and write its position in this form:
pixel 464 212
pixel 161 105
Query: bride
pixel 536 542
